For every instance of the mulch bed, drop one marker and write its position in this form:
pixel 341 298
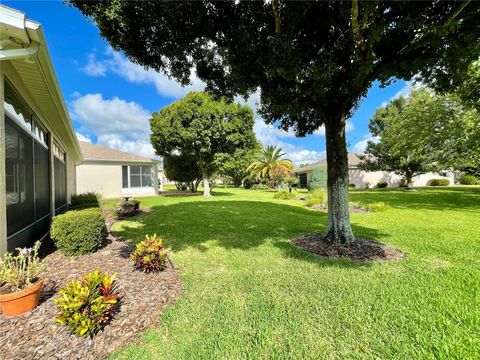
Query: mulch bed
pixel 360 250
pixel 145 296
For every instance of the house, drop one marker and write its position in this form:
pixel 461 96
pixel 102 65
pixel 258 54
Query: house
pixel 113 174
pixel 38 146
pixel 363 178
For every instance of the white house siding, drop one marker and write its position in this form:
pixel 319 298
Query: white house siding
pixel 360 177
pixel 106 179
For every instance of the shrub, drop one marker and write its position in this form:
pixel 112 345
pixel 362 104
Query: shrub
pixel 352 186
pixel 83 201
pixel 150 255
pixel 438 182
pixel 376 206
pixel 316 197
pixel 467 179
pixel 284 195
pixel 79 232
pixel 247 184
pixel 402 182
pixel 366 184
pixel 382 184
pixel 87 305
pixel 318 178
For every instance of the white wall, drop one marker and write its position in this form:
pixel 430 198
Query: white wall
pixel 359 178
pixel 106 179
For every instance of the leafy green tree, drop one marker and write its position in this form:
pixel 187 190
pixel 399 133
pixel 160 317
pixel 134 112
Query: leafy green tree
pixel 199 127
pixel 424 132
pixel 391 152
pixel 183 170
pixel 235 165
pixel 312 61
pixel 269 159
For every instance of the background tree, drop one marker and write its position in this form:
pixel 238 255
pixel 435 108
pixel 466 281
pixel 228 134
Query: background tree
pixel 312 61
pixel 235 165
pixel 424 132
pixel 270 158
pixel 199 127
pixel 391 152
pixel 183 170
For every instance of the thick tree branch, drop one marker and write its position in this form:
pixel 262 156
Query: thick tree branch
pixel 276 16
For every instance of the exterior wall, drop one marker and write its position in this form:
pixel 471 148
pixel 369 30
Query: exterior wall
pixel 7 71
pixel 106 180
pixel 359 178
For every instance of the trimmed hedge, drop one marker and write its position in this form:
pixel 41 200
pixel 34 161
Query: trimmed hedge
pixel 467 179
pixel 79 232
pixel 84 201
pixel 438 182
pixel 382 184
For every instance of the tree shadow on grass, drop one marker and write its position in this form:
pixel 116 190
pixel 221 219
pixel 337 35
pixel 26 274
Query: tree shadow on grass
pixel 238 225
pixel 444 198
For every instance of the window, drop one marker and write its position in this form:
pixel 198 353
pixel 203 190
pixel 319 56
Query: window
pixel 136 176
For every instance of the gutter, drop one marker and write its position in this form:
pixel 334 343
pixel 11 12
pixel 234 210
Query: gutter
pixel 26 52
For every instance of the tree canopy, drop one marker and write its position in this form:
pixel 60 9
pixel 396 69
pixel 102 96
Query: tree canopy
pixel 236 165
pixel 270 162
pixel 312 61
pixel 183 169
pixel 423 132
pixel 200 127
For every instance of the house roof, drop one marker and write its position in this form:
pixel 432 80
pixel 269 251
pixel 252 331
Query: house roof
pixel 353 161
pixel 25 49
pixel 92 152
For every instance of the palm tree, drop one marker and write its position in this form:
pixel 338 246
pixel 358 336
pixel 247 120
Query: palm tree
pixel 270 158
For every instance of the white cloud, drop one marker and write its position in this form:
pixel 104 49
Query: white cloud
pixel 94 67
pixel 360 146
pixel 84 138
pixel 118 64
pixel 117 123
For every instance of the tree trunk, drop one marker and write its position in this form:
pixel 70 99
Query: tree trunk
pixel 206 185
pixel 339 229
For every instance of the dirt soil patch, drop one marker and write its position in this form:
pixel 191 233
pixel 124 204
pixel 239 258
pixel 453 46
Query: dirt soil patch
pixel 145 296
pixel 360 250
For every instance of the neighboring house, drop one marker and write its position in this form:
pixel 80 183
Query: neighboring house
pixel 360 178
pixel 112 173
pixel 38 146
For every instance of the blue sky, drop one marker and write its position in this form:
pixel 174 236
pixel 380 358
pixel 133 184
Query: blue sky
pixel 110 99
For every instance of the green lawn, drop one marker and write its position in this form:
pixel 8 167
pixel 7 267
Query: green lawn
pixel 251 294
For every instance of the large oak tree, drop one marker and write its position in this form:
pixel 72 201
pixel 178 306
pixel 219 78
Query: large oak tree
pixel 312 61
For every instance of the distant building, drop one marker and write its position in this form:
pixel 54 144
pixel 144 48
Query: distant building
pixel 113 174
pixel 360 178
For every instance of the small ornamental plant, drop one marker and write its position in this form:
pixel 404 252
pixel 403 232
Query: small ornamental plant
pixel 87 305
pixel 150 255
pixel 21 271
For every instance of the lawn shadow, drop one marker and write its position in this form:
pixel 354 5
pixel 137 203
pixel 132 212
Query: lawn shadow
pixel 234 225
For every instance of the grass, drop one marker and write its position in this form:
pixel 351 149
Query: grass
pixel 251 294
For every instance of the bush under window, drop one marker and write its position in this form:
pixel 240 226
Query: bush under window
pixel 79 232
pixel 83 201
